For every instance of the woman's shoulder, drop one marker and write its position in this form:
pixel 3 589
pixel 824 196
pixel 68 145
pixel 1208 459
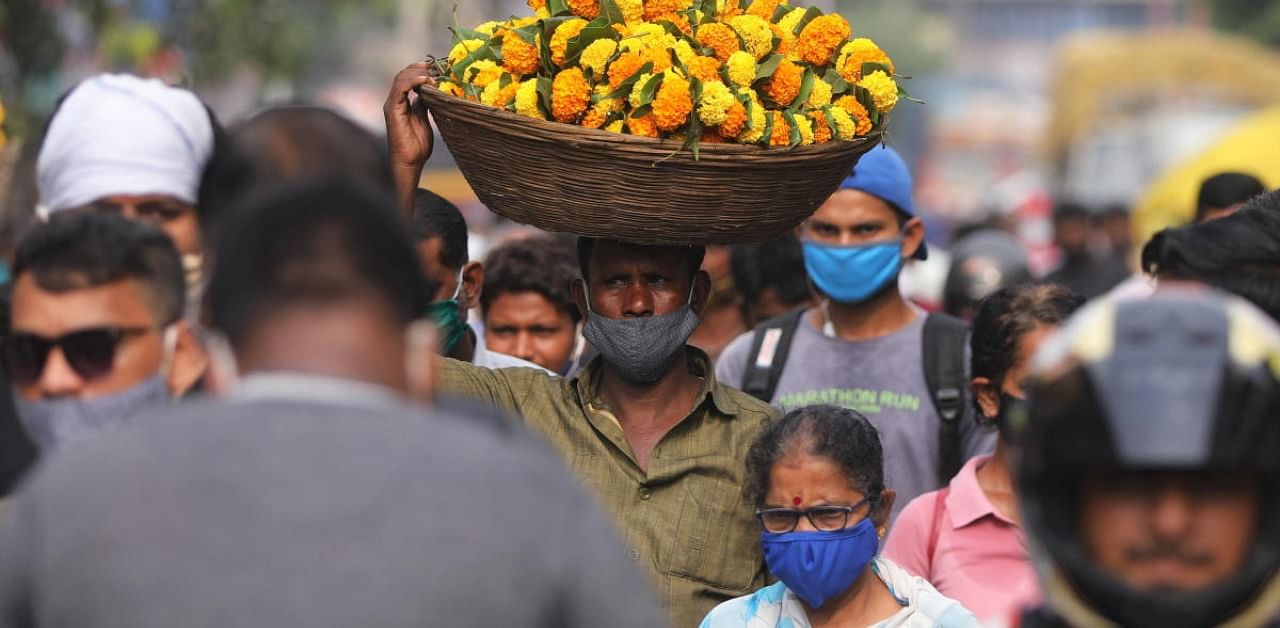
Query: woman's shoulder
pixel 927 606
pixel 762 607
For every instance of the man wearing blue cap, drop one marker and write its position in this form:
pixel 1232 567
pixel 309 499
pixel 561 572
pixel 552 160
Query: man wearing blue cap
pixel 865 346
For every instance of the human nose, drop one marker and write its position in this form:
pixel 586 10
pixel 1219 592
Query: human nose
pixel 58 379
pixel 524 346
pixel 1171 514
pixel 803 524
pixel 638 300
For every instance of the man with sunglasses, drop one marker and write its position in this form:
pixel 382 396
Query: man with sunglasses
pixel 96 330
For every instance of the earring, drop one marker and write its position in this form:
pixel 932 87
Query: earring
pixel 880 532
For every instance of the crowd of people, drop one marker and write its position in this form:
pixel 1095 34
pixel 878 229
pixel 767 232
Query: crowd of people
pixel 254 376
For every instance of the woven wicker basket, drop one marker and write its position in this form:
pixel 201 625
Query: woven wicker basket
pixel 559 177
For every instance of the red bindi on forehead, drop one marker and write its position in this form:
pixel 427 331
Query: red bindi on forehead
pixel 796 501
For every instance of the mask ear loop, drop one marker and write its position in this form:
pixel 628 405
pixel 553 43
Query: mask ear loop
pixel 222 359
pixel 169 348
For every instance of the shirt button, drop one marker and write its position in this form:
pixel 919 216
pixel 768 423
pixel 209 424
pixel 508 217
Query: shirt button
pixel 645 493
pixel 634 554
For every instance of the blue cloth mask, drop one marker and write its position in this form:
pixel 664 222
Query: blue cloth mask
pixel 852 274
pixel 818 566
pixel 54 423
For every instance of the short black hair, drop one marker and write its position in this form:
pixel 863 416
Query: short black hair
pixel 84 249
pixel 841 435
pixel 435 217
pixel 538 264
pixel 1005 316
pixel 693 255
pixel 314 243
pixel 1070 211
pixel 1239 254
pixel 1226 189
pixel 777 264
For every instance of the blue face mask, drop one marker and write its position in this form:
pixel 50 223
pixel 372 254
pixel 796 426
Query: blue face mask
pixel 818 566
pixel 852 274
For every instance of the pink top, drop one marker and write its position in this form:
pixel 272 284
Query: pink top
pixel 979 556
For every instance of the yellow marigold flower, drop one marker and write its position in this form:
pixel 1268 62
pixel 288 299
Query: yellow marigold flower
pixel 821 130
pixel 720 38
pixel 755 131
pixel 781 135
pixel 519 57
pixel 483 72
pixel 856 53
pixel 821 37
pixel 786 42
pixel 806 129
pixel 463 48
pixel 560 38
pixel 784 86
pixel 624 67
pixel 883 89
pixel 632 10
pixel 596 55
pixel 641 36
pixel 451 88
pixel 791 20
pixel 820 94
pixel 846 128
pixel 857 113
pixel 763 8
pixel 735 120
pixel 642 126
pixel 673 103
pixel 487 29
pixel 742 69
pixel 496 95
pixel 527 99
pixel 755 32
pixel 615 126
pixel 588 9
pixel 704 69
pixel 684 52
pixel 714 106
pixel 729 9
pixel 654 9
pixel 542 14
pixel 640 83
pixel 570 95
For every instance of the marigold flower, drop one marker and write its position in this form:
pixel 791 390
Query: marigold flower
pixel 483 72
pixel 805 125
pixel 857 52
pixel 634 97
pixel 497 95
pixel 821 37
pixel 710 136
pixel 786 42
pixel 632 10
pixel 463 48
pixel 755 32
pixel 527 99
pixel 645 35
pixel 819 94
pixel 684 52
pixel 729 9
pixel 857 113
pixel 719 38
pixel 614 127
pixel 680 20
pixel 673 102
pixel 596 55
pixel 846 128
pixel 570 94
pixel 603 102
pixel 784 86
pixel 642 126
pixel 713 107
pixel 742 69
pixel 560 38
pixel 654 9
pixel 763 8
pixel 487 29
pixel 660 57
pixel 791 20
pixel 735 120
pixel 781 135
pixel 821 130
pixel 594 118
pixel 884 91
pixel 705 69
pixel 451 88
pixel 588 9
pixel 624 67
pixel 536 4
pixel 519 57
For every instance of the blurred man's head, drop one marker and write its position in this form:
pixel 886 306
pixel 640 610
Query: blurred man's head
pixel 527 305
pixel 95 329
pixel 1071 229
pixel 770 278
pixel 441 234
pixel 322 278
pixel 1224 193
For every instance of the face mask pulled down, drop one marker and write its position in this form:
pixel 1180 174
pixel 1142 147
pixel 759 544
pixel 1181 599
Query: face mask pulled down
pixel 642 348
pixel 852 274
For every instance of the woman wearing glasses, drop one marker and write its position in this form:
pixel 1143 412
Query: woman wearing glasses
pixel 817 478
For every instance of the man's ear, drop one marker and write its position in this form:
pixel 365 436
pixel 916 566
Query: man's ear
pixel 472 285
pixel 700 293
pixel 578 288
pixel 881 518
pixel 987 394
pixel 188 362
pixel 912 237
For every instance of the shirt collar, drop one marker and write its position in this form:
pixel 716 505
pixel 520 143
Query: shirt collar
pixel 967 502
pixel 312 388
pixel 587 381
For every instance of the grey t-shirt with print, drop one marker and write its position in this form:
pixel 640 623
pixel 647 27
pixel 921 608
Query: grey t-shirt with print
pixel 883 378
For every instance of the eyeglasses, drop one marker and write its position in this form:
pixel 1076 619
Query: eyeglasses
pixel 823 518
pixel 90 352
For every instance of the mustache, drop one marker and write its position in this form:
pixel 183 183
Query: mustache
pixel 1158 550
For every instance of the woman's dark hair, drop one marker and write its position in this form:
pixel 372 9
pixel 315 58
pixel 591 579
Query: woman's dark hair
pixel 1005 316
pixel 1239 254
pixel 540 265
pixel 1225 190
pixel 840 435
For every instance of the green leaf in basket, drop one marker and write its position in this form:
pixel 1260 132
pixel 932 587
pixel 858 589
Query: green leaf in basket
pixel 625 87
pixel 650 89
pixel 484 51
pixel 806 86
pixel 544 96
pixel 610 11
pixel 809 15
pixel 693 136
pixel 768 130
pixel 831 122
pixel 709 10
pixel 782 9
pixel 902 93
pixel 528 33
pixel 641 111
pixel 768 66
pixel 557 7
pixel 795 129
pixel 838 84
pixel 598 29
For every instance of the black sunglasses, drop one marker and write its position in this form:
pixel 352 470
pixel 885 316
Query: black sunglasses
pixel 90 352
pixel 823 518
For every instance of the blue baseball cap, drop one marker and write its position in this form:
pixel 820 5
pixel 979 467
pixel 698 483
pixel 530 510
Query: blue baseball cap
pixel 882 173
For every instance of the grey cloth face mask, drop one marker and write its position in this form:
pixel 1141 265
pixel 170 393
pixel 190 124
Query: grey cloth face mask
pixel 642 348
pixel 54 423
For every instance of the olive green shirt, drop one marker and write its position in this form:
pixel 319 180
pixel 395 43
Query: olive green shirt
pixel 686 520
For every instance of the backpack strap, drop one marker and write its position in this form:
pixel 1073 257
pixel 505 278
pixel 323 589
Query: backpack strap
pixel 939 503
pixel 770 345
pixel 944 369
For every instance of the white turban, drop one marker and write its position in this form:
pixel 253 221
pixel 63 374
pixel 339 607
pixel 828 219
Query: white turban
pixel 120 134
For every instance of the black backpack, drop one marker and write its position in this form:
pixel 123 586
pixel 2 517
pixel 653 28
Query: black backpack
pixel 944 373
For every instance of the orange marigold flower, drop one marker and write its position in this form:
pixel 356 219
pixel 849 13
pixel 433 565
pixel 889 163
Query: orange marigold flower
pixel 781 135
pixel 720 38
pixel 661 58
pixel 856 53
pixel 642 126
pixel 570 94
pixel 735 121
pixel 594 119
pixel 821 37
pixel 655 9
pixel 821 130
pixel 857 112
pixel 537 4
pixel 786 41
pixel 560 38
pixel 729 10
pixel 624 67
pixel 672 103
pixel 519 57
pixel 710 136
pixel 705 69
pixel 764 8
pixel 588 9
pixel 679 20
pixel 784 86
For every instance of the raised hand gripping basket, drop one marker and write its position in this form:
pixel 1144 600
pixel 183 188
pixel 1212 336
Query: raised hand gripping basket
pixel 561 177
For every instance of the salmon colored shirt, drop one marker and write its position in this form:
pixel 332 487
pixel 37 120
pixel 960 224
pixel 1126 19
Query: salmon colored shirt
pixel 979 557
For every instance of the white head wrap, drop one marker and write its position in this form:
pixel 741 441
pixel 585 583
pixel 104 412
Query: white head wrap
pixel 120 134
